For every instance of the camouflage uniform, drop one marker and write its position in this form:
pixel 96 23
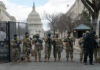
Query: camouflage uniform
pixel 58 48
pixel 81 49
pixel 15 50
pixel 48 47
pixel 69 48
pixel 38 48
pixel 96 49
pixel 26 48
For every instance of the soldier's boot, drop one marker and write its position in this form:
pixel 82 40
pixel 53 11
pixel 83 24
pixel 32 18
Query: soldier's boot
pixel 71 59
pixel 48 59
pixel 59 59
pixel 13 61
pixel 18 61
pixel 55 60
pixel 39 59
pixel 45 59
pixel 80 60
pixel 24 60
pixel 28 60
pixel 35 58
pixel 96 61
pixel 67 59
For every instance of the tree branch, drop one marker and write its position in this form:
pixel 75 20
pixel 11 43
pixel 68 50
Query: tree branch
pixel 87 6
pixel 98 6
pixel 89 3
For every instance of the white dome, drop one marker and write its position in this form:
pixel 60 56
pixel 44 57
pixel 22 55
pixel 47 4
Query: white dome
pixel 2 5
pixel 33 17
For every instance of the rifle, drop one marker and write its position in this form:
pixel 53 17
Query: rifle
pixel 70 43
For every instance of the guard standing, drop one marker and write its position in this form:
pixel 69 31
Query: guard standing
pixel 89 45
pixel 69 47
pixel 26 47
pixel 15 45
pixel 58 47
pixel 81 49
pixel 48 47
pixel 38 48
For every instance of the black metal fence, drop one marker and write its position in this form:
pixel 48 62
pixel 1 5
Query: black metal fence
pixel 7 30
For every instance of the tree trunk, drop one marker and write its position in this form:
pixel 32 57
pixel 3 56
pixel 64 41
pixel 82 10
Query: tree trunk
pixel 95 20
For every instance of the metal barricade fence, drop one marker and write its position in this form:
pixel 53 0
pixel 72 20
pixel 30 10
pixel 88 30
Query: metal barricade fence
pixel 7 30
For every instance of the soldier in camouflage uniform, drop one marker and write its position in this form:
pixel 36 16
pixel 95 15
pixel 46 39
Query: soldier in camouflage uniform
pixel 15 45
pixel 81 49
pixel 69 47
pixel 58 47
pixel 38 48
pixel 26 47
pixel 48 47
pixel 96 49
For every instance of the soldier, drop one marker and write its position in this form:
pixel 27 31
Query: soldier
pixel 26 47
pixel 58 47
pixel 33 45
pixel 48 47
pixel 89 46
pixel 81 49
pixel 15 44
pixel 38 48
pixel 69 47
pixel 98 51
pixel 96 48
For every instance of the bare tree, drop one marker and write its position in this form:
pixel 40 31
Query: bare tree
pixel 60 22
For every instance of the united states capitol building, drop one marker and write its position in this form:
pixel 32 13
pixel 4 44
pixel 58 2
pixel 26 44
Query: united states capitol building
pixel 34 23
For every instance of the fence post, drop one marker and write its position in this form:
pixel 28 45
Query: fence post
pixel 9 41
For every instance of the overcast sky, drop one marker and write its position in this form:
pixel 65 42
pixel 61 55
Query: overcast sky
pixel 21 8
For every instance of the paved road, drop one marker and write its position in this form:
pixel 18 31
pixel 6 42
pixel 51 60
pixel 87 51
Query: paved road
pixel 75 65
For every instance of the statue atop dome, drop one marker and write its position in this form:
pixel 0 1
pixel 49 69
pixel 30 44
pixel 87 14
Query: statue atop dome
pixel 33 6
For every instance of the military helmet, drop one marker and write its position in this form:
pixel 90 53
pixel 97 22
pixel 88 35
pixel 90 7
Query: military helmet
pixel 34 36
pixel 87 32
pixel 26 33
pixel 37 34
pixel 49 34
pixel 69 32
pixel 56 33
pixel 15 35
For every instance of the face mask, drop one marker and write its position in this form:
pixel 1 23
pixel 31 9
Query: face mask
pixel 15 38
pixel 37 36
pixel 27 36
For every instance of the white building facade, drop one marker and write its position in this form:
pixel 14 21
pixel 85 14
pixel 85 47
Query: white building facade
pixel 4 15
pixel 75 10
pixel 34 23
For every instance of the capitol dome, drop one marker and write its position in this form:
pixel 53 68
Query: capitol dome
pixel 34 23
pixel 33 17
